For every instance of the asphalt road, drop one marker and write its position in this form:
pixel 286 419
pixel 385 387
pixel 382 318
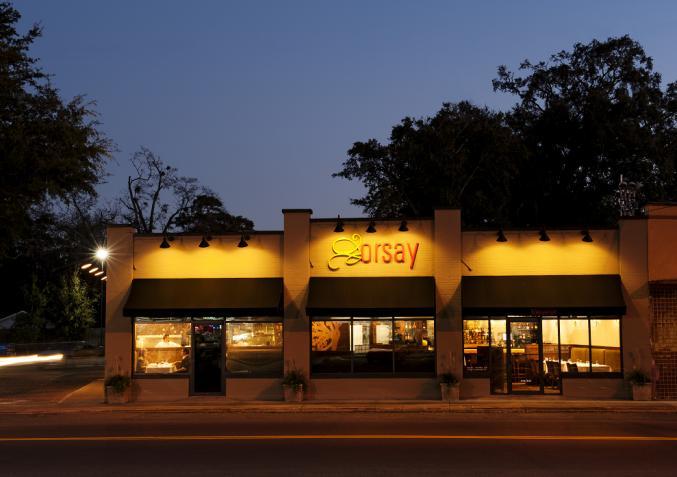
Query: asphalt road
pixel 225 444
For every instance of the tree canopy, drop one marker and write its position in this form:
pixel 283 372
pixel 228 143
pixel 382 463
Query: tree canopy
pixel 582 119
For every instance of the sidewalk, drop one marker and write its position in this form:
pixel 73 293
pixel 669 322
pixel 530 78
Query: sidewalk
pixel 89 399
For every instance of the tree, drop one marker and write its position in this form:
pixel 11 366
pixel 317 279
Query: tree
pixel 158 199
pixel 76 308
pixel 464 156
pixel 48 148
pixel 586 117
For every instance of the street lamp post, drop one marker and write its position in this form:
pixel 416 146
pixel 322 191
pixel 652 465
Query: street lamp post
pixel 101 254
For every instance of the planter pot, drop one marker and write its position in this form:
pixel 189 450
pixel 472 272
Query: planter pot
pixel 450 392
pixel 113 397
pixel 293 393
pixel 641 392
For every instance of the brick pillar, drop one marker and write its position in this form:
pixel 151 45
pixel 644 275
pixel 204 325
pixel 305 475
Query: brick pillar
pixel 120 271
pixel 447 272
pixel 296 273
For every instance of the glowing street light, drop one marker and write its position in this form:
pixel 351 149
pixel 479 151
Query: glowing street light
pixel 85 266
pixel 93 269
pixel 101 254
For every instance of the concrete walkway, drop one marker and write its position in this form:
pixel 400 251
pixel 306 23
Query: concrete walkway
pixel 89 398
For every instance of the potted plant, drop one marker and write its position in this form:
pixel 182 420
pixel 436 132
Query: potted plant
pixel 117 388
pixel 641 385
pixel 293 383
pixel 449 386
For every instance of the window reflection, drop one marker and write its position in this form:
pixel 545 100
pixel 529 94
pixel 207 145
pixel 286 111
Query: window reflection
pixel 414 346
pixel 254 349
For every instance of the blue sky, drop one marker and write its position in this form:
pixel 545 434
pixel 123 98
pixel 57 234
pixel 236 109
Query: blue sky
pixel 261 100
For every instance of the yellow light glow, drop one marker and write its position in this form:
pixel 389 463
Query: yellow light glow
pixel 99 273
pixel 103 279
pixel 93 269
pixel 85 266
pixel 30 359
pixel 101 254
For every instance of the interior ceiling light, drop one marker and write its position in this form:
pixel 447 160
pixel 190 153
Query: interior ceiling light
pixel 586 236
pixel 403 226
pixel 204 243
pixel 85 266
pixel 243 242
pixel 165 243
pixel 500 236
pixel 372 227
pixel 93 269
pixel 543 236
pixel 339 225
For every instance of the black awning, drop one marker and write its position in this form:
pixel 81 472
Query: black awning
pixel 205 297
pixel 371 296
pixel 543 295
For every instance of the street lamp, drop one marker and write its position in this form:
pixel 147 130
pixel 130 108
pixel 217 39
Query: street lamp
pixel 101 255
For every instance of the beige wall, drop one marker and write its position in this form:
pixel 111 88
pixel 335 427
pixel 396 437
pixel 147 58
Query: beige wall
pixel 323 237
pixel 222 259
pixel 524 254
pixel 662 240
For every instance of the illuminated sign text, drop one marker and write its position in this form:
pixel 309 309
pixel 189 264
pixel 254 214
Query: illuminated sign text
pixel 351 251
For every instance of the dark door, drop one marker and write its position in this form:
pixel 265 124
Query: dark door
pixel 208 358
pixel 525 357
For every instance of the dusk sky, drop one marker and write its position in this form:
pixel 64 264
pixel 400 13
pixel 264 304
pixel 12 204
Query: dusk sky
pixel 261 100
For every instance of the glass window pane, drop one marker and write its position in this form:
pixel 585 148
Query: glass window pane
pixel 414 346
pixel 330 347
pixel 575 345
pixel 254 349
pixel 551 362
pixel 499 352
pixel 606 345
pixel 162 346
pixel 476 345
pixel 372 346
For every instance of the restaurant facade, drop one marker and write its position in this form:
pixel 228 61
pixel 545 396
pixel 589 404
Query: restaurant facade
pixel 379 309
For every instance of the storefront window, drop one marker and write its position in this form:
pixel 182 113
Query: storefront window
pixel 254 349
pixel 575 345
pixel 414 346
pixel 330 347
pixel 373 345
pixel 475 346
pixel 162 346
pixel 605 335
pixel 499 357
pixel 552 368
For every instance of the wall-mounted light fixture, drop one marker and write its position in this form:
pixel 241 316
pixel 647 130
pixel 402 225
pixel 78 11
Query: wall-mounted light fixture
pixel 339 225
pixel 165 243
pixel 204 243
pixel 543 236
pixel 586 236
pixel 372 227
pixel 403 226
pixel 500 236
pixel 243 241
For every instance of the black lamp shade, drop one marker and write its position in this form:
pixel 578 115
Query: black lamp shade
pixel 203 243
pixel 403 226
pixel 586 236
pixel 543 236
pixel 372 227
pixel 165 243
pixel 500 236
pixel 243 242
pixel 339 225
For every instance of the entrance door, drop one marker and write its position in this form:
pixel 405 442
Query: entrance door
pixel 525 357
pixel 208 358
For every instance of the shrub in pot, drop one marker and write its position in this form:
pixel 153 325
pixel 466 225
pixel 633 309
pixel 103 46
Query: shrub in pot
pixel 117 389
pixel 641 385
pixel 293 384
pixel 449 387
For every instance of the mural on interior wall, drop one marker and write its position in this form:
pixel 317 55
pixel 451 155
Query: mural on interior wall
pixel 349 251
pixel 326 335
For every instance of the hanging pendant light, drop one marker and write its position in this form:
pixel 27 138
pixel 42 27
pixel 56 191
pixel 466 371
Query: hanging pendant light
pixel 403 226
pixel 339 225
pixel 500 236
pixel 243 241
pixel 543 236
pixel 372 227
pixel 165 243
pixel 586 236
pixel 204 243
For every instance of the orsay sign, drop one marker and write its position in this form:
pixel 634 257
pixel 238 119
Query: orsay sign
pixel 349 251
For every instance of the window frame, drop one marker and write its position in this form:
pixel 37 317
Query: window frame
pixel 384 374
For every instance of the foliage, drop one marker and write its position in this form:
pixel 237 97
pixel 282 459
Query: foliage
pixel 157 198
pixel 294 377
pixel 464 156
pixel 586 117
pixel 119 382
pixel 49 148
pixel 77 308
pixel 638 377
pixel 29 327
pixel 449 379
